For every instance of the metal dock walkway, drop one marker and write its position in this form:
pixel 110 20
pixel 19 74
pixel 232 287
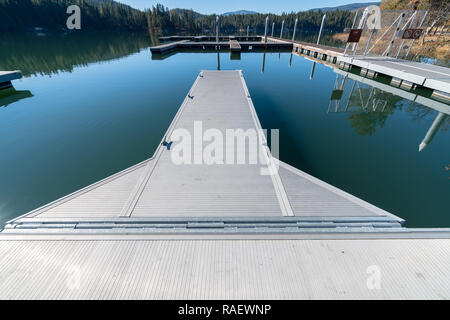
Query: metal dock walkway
pixel 412 73
pixel 224 43
pixel 7 76
pixel 161 230
pixel 159 190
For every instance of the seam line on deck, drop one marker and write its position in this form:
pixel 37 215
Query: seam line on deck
pixel 280 192
pixel 133 199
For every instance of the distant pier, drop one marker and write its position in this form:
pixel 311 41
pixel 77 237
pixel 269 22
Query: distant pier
pixel 225 44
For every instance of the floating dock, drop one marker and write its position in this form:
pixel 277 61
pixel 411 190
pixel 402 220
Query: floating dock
pixel 235 46
pixel 161 230
pixel 158 194
pixel 211 38
pixel 224 44
pixel 408 74
pixel 7 76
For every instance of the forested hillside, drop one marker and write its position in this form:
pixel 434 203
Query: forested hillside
pixel 161 18
pixel 107 14
pixel 51 14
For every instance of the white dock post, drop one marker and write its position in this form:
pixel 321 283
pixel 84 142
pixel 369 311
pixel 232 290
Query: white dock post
pixel 321 28
pixel 419 26
pixel 394 36
pixel 217 29
pixel 350 96
pixel 282 27
pixel 265 29
pixel 273 28
pixel 353 26
pixel 248 29
pixel 295 28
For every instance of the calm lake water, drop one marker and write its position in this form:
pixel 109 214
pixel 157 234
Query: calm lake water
pixel 91 105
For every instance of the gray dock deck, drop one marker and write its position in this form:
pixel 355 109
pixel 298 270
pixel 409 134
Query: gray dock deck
pixel 159 230
pixel 167 47
pixel 235 46
pixel 159 188
pixel 422 74
pixel 10 75
pixel 221 45
pixel 7 76
pixel 224 269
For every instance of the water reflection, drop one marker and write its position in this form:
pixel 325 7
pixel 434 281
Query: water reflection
pixel 311 75
pixel 263 62
pixel 437 123
pixel 53 53
pixel 370 102
pixel 11 95
pixel 218 61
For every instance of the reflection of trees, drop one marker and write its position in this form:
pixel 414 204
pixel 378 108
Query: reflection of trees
pixel 62 52
pixel 370 107
pixel 366 122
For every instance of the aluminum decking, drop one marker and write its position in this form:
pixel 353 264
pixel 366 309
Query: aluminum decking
pixel 422 74
pixel 225 269
pixel 230 43
pixel 158 230
pixel 9 75
pixel 161 189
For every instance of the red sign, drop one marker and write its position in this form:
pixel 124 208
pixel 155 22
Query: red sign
pixel 354 35
pixel 412 34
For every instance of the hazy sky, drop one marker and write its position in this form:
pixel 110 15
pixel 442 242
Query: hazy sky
pixel 262 6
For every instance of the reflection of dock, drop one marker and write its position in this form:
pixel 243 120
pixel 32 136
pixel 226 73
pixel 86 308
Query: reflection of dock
pixel 11 95
pixel 381 105
pixel 427 102
pixel 217 231
pixel 438 121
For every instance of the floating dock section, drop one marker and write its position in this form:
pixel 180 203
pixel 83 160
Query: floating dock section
pixel 235 46
pixel 218 231
pixel 225 43
pixel 158 195
pixel 7 76
pixel 406 74
pixel 321 52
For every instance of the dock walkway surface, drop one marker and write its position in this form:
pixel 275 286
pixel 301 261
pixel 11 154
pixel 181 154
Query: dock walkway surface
pixel 7 76
pixel 225 269
pixel 213 231
pixel 422 74
pixel 160 189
